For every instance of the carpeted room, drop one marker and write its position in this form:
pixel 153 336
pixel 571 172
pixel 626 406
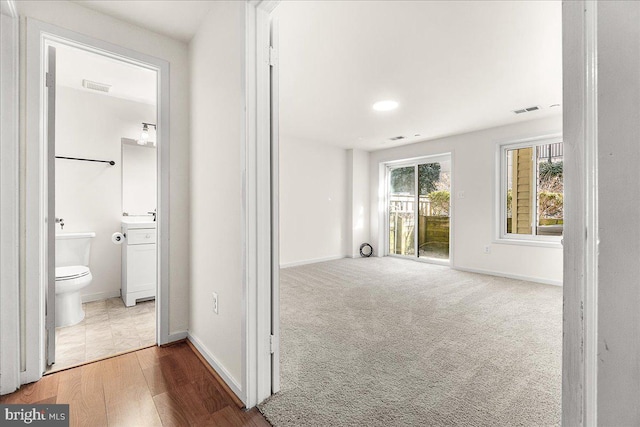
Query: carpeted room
pixel 385 341
pixel 473 335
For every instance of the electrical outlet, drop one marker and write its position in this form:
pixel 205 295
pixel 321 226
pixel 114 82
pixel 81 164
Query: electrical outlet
pixel 215 303
pixel 460 194
pixel 487 249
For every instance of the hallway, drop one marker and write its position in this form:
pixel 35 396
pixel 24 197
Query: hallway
pixel 156 386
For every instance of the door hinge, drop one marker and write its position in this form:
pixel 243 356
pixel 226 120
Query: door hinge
pixel 272 344
pixel 49 80
pixel 273 56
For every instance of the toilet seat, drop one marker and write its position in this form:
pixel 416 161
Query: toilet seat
pixel 71 272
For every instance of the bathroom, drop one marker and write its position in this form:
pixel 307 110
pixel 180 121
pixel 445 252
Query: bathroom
pixel 105 207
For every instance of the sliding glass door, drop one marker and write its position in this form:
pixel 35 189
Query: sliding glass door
pixel 418 208
pixel 402 216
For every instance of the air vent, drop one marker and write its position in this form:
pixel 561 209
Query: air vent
pixel 527 110
pixel 101 87
pixel 397 138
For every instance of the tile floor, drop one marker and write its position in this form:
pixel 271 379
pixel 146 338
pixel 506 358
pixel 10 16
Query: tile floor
pixel 109 327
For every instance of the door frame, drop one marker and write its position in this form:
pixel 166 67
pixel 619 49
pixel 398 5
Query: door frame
pixel 260 194
pixel 580 237
pixel 383 208
pixel 10 202
pixel 38 36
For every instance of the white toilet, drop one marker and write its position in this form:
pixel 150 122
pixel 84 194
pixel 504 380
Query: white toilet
pixel 72 275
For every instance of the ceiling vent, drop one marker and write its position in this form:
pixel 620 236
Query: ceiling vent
pixel 527 110
pixel 100 87
pixel 397 138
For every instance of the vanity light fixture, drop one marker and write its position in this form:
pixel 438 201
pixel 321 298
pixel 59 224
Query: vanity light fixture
pixel 144 135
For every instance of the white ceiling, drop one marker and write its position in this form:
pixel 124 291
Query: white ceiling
pixel 454 67
pixel 127 81
pixel 176 19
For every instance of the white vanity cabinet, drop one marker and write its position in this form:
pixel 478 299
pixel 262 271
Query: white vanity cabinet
pixel 138 262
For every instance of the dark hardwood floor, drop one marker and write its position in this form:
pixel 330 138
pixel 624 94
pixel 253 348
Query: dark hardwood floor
pixel 156 386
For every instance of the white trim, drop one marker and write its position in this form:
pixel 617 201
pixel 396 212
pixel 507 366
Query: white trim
pixel 256 211
pixel 511 276
pixel 383 238
pixel 248 216
pixel 275 204
pixel 580 123
pixel 163 142
pixel 8 8
pixel 263 202
pixel 99 296
pixel 38 34
pixel 591 215
pixel 177 336
pixel 412 161
pixel 500 203
pixel 9 204
pixel 452 210
pixel 217 366
pixel 313 261
pixel 556 244
pixel 34 216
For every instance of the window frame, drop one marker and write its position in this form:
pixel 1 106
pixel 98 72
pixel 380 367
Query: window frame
pixel 500 202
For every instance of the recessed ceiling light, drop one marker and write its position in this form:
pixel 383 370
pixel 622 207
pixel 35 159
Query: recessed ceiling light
pixel 385 105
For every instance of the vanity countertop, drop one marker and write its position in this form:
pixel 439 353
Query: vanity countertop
pixel 133 222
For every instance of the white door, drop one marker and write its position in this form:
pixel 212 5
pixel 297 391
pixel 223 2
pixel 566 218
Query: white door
pixel 50 304
pixel 275 229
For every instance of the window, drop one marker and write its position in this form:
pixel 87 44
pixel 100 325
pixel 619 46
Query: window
pixel 531 190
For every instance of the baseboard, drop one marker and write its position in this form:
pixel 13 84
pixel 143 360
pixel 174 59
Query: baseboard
pixel 511 276
pixel 100 296
pixel 218 369
pixel 311 261
pixel 27 377
pixel 177 336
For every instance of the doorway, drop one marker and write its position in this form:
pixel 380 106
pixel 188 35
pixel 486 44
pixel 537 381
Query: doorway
pixel 263 132
pixel 419 209
pixel 105 201
pixel 42 223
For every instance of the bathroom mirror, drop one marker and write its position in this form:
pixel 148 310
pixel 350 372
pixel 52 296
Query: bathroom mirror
pixel 139 177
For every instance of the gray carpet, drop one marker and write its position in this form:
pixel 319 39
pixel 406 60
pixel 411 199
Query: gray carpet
pixel 392 342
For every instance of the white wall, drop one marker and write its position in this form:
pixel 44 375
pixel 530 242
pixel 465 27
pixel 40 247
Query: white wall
pixel 618 319
pixel 88 194
pixel 358 200
pixel 217 101
pixel 314 223
pixel 473 156
pixel 74 17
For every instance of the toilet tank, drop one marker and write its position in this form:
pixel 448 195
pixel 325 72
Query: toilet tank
pixel 73 248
